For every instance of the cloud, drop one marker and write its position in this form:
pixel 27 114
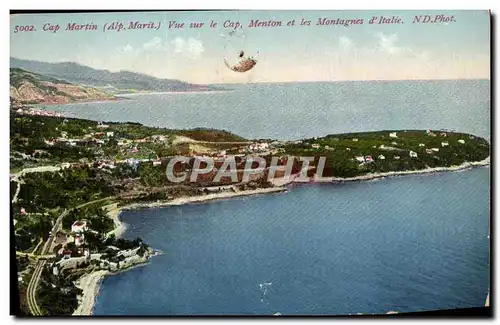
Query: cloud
pixel 387 44
pixel 191 47
pixel 345 43
pixel 152 45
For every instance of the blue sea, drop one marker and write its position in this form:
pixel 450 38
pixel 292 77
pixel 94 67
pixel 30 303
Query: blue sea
pixel 410 243
pixel 304 110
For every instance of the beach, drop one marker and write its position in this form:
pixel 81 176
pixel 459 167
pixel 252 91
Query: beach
pixel 89 283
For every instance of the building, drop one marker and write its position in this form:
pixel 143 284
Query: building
pixel 156 162
pixel 110 134
pixel 381 157
pixel 444 144
pixel 429 151
pixel 66 254
pixel 461 141
pixel 443 134
pixel 65 165
pixel 79 227
pixel 315 146
pixel 421 145
pixel 355 140
pixel 435 149
pixel 396 157
pixel 360 159
pixel 393 135
pixel 79 240
pixel 100 125
pixel 413 154
pixel 368 159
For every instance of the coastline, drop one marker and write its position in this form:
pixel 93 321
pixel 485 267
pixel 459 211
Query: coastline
pixel 90 283
pixel 120 227
pixel 83 101
pixel 372 176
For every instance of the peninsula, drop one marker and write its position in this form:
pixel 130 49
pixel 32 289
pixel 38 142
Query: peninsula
pixel 70 178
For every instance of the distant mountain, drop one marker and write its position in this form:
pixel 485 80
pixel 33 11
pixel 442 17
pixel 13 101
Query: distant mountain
pixel 123 80
pixel 34 88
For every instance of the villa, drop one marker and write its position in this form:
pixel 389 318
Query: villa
pixel 393 135
pixel 360 159
pixel 79 226
pixel 413 154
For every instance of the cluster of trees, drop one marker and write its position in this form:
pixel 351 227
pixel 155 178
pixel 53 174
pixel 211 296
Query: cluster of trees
pixel 340 150
pixel 29 230
pixel 57 295
pixel 67 188
pixel 210 135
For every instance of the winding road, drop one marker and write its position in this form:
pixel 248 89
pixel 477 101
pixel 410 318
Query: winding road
pixel 35 278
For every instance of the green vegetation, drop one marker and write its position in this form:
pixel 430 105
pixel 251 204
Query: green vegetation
pixel 341 151
pixel 46 140
pixel 57 295
pixel 211 135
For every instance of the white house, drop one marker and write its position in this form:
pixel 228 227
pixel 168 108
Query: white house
pixel 65 165
pixel 393 135
pixel 79 240
pixel 156 162
pixel 315 146
pixel 79 226
pixel 435 149
pixel 444 144
pixel 348 149
pixel 461 141
pixel 396 157
pixel 429 151
pixel 110 134
pixel 413 154
pixel 381 157
pixel 368 159
pixel 421 145
pixel 355 140
pixel 394 143
pixel 360 159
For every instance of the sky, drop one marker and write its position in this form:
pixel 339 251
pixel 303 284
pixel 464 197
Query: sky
pixel 458 49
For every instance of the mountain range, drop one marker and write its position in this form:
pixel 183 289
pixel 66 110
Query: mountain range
pixel 33 88
pixel 115 82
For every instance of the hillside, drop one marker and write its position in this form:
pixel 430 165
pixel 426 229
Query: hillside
pixel 354 154
pixel 122 80
pixel 33 88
